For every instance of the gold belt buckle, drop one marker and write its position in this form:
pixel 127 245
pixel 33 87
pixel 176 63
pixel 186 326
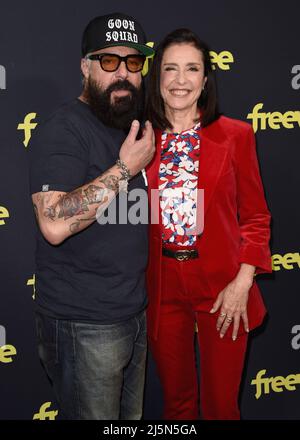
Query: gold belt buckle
pixel 183 255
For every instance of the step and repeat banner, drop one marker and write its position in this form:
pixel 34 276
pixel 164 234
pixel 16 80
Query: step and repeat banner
pixel 256 57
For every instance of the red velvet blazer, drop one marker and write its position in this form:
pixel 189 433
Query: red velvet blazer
pixel 236 218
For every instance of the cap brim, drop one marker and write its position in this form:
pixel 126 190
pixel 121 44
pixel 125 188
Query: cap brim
pixel 145 50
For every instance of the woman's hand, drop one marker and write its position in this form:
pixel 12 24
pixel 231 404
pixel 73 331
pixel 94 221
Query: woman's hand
pixel 232 302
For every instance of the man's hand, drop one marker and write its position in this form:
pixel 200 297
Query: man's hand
pixel 136 154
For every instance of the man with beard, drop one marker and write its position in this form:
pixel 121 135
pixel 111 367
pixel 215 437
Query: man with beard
pixel 90 287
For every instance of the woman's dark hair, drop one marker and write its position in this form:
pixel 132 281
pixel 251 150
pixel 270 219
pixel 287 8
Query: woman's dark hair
pixel 207 102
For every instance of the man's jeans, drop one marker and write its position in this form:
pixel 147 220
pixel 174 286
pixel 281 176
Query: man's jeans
pixel 97 371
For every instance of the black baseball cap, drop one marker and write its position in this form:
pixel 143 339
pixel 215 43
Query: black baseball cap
pixel 114 30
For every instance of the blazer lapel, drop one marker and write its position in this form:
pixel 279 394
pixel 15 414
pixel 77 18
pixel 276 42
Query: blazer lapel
pixel 213 154
pixel 152 171
pixel 152 168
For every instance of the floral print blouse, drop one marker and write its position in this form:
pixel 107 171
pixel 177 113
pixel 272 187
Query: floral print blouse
pixel 178 178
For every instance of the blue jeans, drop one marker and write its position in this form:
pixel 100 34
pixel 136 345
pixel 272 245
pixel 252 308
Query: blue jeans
pixel 97 371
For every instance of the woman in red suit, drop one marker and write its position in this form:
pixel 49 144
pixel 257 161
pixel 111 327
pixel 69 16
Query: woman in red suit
pixel 201 277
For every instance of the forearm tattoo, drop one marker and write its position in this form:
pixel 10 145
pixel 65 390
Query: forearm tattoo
pixel 79 202
pixel 111 182
pixel 75 203
pixel 75 227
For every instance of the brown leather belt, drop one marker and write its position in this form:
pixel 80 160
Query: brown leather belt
pixel 181 255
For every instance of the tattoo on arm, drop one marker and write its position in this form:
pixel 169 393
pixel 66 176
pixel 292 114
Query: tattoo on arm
pixel 75 203
pixel 79 202
pixel 111 182
pixel 50 212
pixel 75 227
pixel 94 194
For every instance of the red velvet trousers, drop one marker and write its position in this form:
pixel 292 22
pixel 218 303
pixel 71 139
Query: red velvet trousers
pixel 221 360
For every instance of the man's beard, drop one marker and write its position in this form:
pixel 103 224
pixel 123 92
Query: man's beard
pixel 123 110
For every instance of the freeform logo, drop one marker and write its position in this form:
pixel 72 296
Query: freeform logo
pixel 222 60
pixel 27 126
pixel 295 342
pixel 2 78
pixel 288 261
pixel 44 413
pixel 276 384
pixel 273 120
pixel 3 214
pixel 296 79
pixel 6 353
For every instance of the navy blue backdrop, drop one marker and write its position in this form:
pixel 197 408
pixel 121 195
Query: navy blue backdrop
pixel 255 51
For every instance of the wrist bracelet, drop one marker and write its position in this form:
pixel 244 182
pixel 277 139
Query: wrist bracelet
pixel 125 170
pixel 125 173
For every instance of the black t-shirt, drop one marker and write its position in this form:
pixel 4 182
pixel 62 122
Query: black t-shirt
pixel 97 274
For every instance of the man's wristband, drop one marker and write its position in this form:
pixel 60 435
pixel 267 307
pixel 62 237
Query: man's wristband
pixel 125 170
pixel 123 182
